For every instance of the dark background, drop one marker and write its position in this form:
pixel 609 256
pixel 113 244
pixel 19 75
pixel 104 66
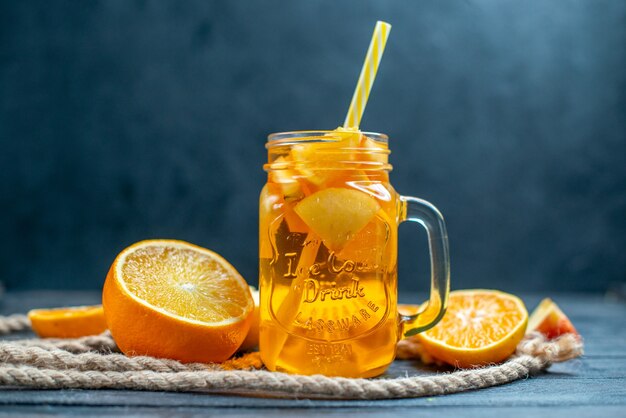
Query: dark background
pixel 125 120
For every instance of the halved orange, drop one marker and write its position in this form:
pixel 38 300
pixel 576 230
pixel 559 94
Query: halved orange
pixel 72 322
pixel 479 327
pixel 172 299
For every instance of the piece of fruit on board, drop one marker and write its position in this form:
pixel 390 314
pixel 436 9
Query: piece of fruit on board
pixel 549 319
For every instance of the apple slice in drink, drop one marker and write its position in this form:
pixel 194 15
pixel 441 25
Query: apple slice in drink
pixel 337 214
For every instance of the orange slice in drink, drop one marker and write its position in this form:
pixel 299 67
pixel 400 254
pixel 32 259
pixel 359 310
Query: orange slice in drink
pixel 335 147
pixel 287 179
pixel 172 299
pixel 376 150
pixel 337 214
pixel 71 322
pixel 320 158
pixel 479 327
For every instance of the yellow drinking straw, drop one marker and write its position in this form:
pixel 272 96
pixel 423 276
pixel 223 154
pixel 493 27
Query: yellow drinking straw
pixel 368 74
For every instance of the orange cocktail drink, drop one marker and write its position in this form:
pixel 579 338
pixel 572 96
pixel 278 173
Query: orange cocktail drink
pixel 328 256
pixel 328 247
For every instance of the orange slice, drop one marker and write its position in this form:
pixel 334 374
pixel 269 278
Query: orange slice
pixel 320 158
pixel 479 327
pixel 172 299
pixel 71 322
pixel 549 319
pixel 331 150
pixel 287 179
pixel 337 214
pixel 376 148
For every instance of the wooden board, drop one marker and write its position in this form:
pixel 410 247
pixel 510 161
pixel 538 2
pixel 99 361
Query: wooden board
pixel 592 386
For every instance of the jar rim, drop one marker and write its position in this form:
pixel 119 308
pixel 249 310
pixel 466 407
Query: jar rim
pixel 284 138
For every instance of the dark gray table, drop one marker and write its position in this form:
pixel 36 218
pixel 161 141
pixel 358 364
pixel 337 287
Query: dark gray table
pixel 592 386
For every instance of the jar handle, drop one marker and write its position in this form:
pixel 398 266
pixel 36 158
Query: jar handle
pixel 427 215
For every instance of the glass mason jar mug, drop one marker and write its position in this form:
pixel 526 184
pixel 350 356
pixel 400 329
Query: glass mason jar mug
pixel 328 255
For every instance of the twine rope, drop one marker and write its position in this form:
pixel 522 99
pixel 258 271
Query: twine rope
pixel 13 323
pixel 95 363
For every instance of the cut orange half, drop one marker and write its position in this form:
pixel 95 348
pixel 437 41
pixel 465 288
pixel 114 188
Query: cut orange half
pixel 71 322
pixel 172 299
pixel 479 327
